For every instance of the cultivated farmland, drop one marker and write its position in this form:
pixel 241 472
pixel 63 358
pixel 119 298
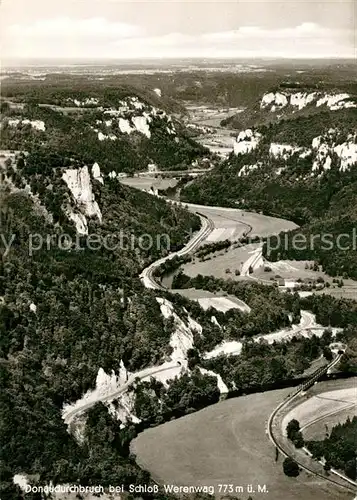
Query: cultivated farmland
pixel 262 225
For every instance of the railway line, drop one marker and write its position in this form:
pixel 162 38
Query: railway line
pixel 148 274
pixel 271 433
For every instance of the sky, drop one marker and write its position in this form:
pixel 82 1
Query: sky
pixel 125 29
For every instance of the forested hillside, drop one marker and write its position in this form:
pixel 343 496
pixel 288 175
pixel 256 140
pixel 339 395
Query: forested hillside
pixel 302 169
pixel 292 99
pixel 72 307
pixel 123 129
pixel 68 308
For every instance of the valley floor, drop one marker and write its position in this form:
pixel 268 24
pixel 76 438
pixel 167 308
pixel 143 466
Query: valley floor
pixel 226 444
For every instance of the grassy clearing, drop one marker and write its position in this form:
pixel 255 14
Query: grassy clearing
pixel 218 263
pixel 288 269
pixel 226 443
pixel 203 296
pixel 317 431
pixel 148 182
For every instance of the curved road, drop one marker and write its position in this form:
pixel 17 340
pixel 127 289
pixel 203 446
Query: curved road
pixel 275 441
pixel 148 280
pixel 147 275
pixel 72 412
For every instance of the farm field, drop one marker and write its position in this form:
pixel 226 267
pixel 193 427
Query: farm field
pixel 226 444
pixel 263 225
pixel 292 270
pixel 288 269
pixel 317 430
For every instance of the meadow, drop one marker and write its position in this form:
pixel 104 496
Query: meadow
pixel 227 444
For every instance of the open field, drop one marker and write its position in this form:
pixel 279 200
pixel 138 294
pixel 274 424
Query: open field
pixel 220 301
pixel 218 263
pixel 147 183
pixel 226 444
pixel 317 430
pixel 306 328
pixel 262 225
pixel 291 270
pixel 323 408
pixel 219 143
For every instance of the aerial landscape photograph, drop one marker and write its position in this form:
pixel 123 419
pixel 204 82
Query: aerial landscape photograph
pixel 178 250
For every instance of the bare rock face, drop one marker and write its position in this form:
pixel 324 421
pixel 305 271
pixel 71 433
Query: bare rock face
pixel 247 140
pixel 79 183
pixel 275 101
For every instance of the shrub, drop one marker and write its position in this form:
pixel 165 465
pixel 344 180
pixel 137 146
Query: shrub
pixel 290 467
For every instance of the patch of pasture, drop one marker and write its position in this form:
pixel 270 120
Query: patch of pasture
pixel 227 444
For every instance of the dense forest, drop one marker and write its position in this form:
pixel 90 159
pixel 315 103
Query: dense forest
pixel 78 132
pixel 64 313
pixel 155 404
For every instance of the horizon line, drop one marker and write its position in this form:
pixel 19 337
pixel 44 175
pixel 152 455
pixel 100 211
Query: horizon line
pixel 13 61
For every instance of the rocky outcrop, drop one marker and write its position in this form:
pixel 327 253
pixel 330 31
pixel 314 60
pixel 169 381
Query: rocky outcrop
pixel 275 101
pixel 247 140
pixel 80 186
pixel 35 124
